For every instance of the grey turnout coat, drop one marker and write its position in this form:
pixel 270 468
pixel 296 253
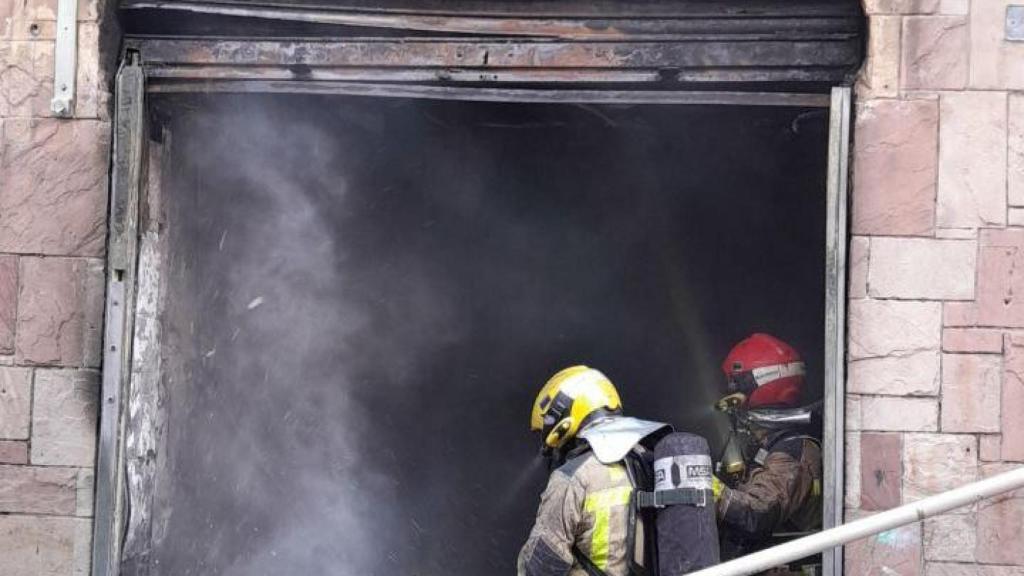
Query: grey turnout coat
pixel 587 504
pixel 782 493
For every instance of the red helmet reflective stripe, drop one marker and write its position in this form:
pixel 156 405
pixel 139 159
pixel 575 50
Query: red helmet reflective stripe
pixel 766 369
pixel 767 374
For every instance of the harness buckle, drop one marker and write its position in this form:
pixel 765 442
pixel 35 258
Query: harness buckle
pixel 659 499
pixel 703 498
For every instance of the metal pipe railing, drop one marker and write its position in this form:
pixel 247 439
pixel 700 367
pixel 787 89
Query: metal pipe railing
pixel 914 512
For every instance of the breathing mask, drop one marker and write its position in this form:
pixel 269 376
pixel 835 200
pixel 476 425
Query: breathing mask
pixel 742 443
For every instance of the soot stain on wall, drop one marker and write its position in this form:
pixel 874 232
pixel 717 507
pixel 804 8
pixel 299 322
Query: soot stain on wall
pixel 363 297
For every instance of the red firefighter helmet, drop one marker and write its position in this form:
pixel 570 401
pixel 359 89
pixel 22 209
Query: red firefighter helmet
pixel 766 370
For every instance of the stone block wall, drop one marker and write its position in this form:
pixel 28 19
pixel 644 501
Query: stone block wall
pixel 53 203
pixel 936 313
pixel 936 316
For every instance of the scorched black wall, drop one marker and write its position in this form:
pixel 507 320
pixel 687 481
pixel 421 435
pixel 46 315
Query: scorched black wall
pixel 362 296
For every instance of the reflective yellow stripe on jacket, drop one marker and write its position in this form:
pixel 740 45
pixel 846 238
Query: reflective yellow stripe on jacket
pixel 600 504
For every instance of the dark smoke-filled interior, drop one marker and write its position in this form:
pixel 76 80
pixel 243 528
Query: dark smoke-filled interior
pixel 363 296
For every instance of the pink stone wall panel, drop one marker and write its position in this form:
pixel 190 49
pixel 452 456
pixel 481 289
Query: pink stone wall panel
pixel 26 75
pixel 8 301
pixel 880 76
pixel 895 167
pixel 959 314
pixel 933 463
pixel 858 266
pixel 966 340
pixel 853 420
pixel 971 392
pixel 995 62
pixel 851 496
pixel 922 268
pixel 881 471
pixel 960 569
pixel 893 553
pixel 37 490
pixel 86 487
pixel 956 233
pixel 1015 148
pixel 91 93
pixel 933 48
pixel 1015 217
pixel 1012 423
pixel 6 20
pixel 914 374
pixel 893 328
pixel 953 56
pixel 1001 524
pixel 46 10
pixel 950 537
pixel 13 452
pixel 53 196
pixel 990 447
pixel 893 414
pixel 1000 285
pixel 15 402
pixel 972 160
pixel 44 546
pixel 64 415
pixel 59 311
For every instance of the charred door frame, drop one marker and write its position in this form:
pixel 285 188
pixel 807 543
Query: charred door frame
pixel 836 239
pixel 668 59
pixel 129 149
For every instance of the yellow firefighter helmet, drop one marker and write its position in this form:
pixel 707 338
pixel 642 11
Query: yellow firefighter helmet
pixel 567 399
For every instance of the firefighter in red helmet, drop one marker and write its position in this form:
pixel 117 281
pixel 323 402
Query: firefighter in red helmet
pixel 777 488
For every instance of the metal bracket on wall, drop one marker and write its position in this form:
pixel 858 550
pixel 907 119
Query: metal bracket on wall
pixel 65 56
pixel 1015 22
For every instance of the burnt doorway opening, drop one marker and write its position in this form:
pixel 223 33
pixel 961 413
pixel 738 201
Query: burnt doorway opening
pixel 367 243
pixel 359 298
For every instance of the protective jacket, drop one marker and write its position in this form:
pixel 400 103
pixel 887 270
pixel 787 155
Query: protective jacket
pixel 586 508
pixel 585 505
pixel 782 493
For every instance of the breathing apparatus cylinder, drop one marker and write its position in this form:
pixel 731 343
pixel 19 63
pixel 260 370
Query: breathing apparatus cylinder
pixel 687 533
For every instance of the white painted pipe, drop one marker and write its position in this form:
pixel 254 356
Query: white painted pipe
pixel 914 512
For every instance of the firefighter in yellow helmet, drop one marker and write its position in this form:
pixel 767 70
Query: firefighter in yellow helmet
pixel 586 524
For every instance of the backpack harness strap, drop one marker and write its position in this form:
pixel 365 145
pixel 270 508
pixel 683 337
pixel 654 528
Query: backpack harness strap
pixel 675 496
pixel 588 565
